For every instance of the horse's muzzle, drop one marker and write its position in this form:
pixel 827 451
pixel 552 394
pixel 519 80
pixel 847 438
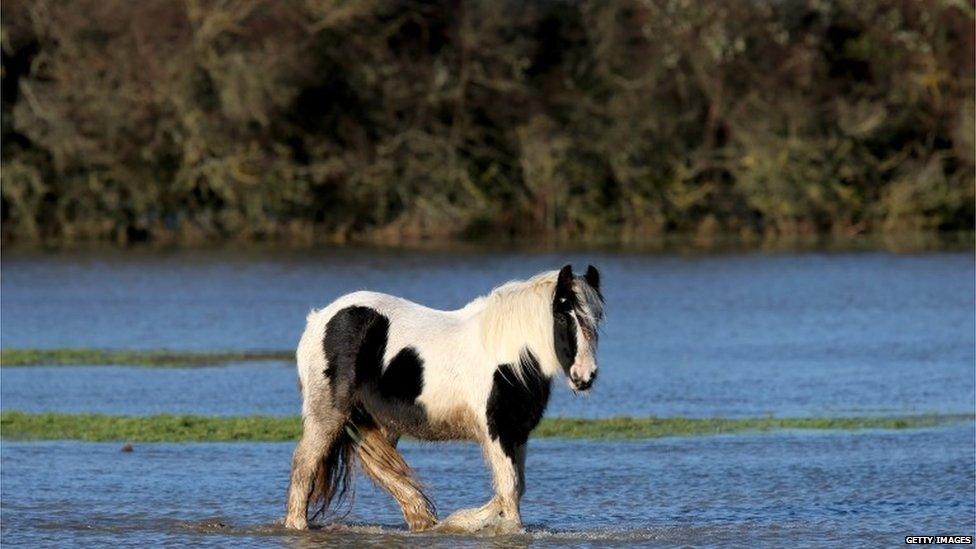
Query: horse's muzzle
pixel 581 384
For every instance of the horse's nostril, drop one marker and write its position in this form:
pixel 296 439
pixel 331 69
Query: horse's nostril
pixel 581 384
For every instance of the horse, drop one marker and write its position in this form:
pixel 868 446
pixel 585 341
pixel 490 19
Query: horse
pixel 373 367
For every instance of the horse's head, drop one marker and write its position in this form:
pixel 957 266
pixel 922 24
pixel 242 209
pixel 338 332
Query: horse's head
pixel 577 309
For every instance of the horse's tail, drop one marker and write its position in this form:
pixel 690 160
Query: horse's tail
pixel 334 475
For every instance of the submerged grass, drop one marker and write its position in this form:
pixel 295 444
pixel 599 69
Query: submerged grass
pixel 100 357
pixel 654 427
pixel 187 428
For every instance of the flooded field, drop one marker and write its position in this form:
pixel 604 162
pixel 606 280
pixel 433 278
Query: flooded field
pixel 735 335
pixel 865 489
pixel 747 335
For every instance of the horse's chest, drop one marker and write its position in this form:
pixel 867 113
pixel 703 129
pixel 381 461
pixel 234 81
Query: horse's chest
pixel 515 406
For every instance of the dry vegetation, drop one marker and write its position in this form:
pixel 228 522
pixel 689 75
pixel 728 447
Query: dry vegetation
pixel 394 121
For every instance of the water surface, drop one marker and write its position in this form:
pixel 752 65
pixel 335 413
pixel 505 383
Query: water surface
pixel 728 335
pixel 865 489
pixel 731 335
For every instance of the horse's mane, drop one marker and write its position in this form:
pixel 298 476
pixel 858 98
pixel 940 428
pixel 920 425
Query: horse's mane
pixel 517 318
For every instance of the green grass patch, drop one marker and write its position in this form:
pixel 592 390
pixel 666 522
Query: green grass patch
pixel 654 427
pixel 100 357
pixel 186 428
pixel 159 428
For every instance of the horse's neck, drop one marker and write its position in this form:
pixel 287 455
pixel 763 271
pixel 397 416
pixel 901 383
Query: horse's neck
pixel 473 309
pixel 473 318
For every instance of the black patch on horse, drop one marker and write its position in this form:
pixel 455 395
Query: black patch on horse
pixel 564 301
pixel 354 344
pixel 403 378
pixel 515 406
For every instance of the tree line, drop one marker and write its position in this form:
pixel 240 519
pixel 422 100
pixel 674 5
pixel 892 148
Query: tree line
pixel 566 120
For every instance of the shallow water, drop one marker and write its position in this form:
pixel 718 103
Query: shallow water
pixel 729 335
pixel 866 489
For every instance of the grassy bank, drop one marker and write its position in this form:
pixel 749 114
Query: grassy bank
pixel 66 357
pixel 173 428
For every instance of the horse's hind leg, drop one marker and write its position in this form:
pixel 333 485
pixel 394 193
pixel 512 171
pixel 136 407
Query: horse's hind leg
pixel 309 468
pixel 385 466
pixel 324 413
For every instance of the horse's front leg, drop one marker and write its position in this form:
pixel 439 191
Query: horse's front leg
pixel 501 513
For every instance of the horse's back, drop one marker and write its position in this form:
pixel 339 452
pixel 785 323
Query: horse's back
pixel 348 318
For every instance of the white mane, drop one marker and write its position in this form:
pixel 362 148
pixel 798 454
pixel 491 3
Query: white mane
pixel 517 316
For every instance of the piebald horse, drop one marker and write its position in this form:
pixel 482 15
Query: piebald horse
pixel 373 367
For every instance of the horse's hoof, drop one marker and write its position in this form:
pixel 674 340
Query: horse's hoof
pixel 296 524
pixel 462 521
pixel 500 526
pixel 481 520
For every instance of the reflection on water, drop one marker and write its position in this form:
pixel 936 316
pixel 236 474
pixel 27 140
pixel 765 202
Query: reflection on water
pixel 737 335
pixel 866 489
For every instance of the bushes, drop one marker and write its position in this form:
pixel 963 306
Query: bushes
pixel 396 120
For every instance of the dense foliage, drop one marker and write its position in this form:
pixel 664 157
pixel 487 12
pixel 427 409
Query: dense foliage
pixel 393 121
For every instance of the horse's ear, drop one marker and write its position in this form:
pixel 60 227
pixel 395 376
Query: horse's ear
pixel 592 277
pixel 564 283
